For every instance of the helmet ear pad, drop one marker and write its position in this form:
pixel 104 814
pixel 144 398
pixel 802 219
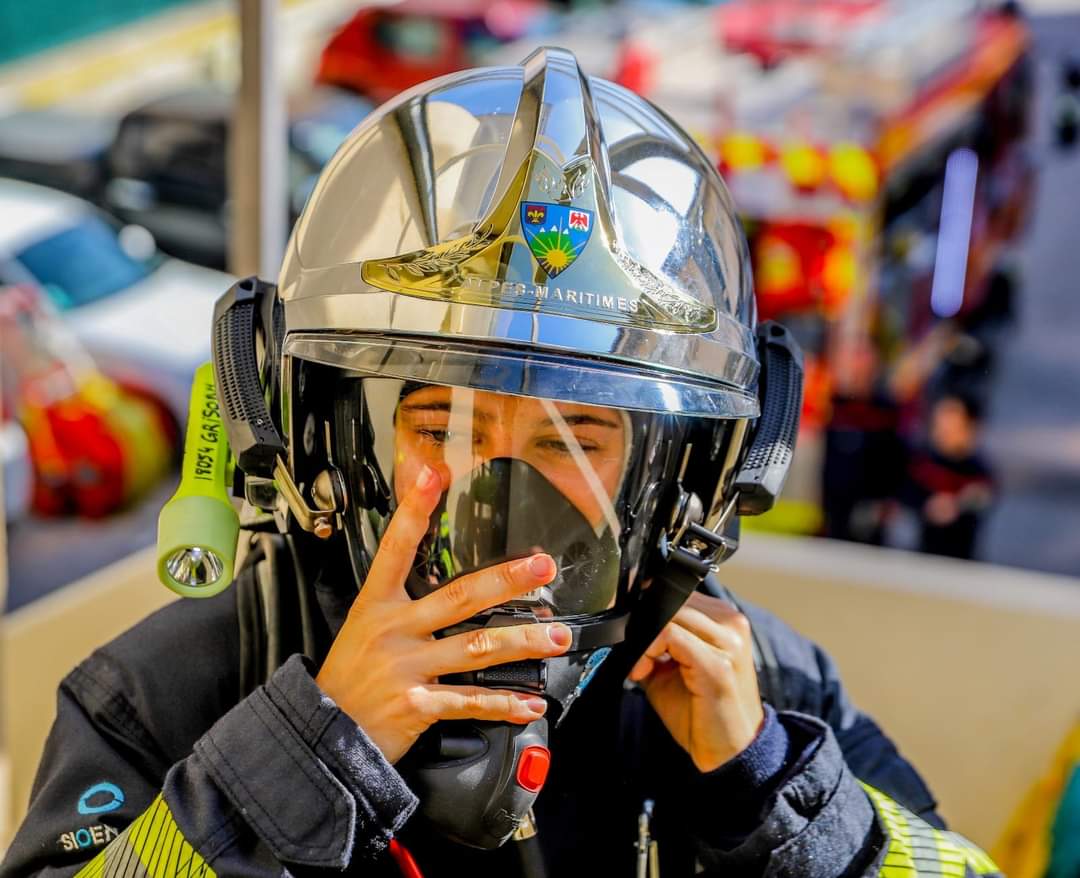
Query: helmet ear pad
pixel 780 389
pixel 269 345
pixel 246 346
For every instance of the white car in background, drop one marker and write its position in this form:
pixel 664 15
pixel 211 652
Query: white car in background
pixel 144 318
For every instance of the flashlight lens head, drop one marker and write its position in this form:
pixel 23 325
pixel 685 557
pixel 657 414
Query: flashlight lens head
pixel 195 566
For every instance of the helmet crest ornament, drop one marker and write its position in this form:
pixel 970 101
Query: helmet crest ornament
pixel 544 216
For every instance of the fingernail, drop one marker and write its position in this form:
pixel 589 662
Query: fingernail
pixel 560 635
pixel 541 566
pixel 426 478
pixel 536 704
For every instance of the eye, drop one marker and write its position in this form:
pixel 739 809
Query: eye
pixel 435 435
pixel 444 436
pixel 559 446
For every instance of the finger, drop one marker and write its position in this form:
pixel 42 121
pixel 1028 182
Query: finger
pixel 397 548
pixel 707 618
pixel 703 667
pixel 705 670
pixel 485 647
pixel 464 597
pixel 476 702
pixel 642 669
pixel 728 635
pixel 659 646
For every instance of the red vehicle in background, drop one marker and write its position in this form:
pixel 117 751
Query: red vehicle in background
pixel 384 50
pixel 777 29
pixel 93 445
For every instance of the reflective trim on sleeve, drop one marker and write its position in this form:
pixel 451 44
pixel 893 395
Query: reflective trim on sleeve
pixel 917 849
pixel 151 847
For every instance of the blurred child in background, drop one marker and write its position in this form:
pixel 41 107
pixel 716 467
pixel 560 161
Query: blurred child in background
pixel 949 485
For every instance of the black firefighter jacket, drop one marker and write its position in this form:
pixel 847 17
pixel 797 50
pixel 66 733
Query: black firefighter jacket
pixel 160 765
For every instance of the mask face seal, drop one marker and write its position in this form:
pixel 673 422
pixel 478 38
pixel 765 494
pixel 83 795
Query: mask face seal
pixel 522 475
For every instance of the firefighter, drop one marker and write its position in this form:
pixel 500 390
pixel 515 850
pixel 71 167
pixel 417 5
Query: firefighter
pixel 501 413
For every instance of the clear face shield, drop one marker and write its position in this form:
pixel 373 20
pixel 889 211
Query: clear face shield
pixel 520 475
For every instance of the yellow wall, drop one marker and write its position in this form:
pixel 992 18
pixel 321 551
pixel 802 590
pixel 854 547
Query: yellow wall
pixel 971 668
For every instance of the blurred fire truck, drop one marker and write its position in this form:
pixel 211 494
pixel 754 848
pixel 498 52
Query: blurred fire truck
pixel 876 150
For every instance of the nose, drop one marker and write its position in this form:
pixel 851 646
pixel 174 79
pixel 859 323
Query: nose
pixel 497 441
pixel 490 440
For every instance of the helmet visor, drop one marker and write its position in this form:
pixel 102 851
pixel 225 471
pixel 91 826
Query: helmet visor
pixel 566 377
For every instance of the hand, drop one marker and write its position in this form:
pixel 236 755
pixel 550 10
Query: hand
pixel 699 677
pixel 975 497
pixel 383 667
pixel 942 509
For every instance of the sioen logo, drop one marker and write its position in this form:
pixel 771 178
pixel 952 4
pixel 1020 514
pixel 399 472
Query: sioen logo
pixel 101 798
pixel 88 836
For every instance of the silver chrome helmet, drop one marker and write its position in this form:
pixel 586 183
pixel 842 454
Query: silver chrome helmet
pixel 536 282
pixel 532 208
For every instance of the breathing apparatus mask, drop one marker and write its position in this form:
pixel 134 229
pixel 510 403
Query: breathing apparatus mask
pixel 535 283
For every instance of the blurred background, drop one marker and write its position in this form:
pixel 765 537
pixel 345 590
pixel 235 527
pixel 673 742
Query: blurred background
pixel 907 174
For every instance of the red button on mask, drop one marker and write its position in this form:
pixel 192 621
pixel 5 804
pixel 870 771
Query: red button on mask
pixel 532 768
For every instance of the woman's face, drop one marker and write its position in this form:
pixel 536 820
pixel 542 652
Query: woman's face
pixel 581 449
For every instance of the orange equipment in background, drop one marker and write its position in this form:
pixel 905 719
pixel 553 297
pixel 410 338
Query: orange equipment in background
pixel 94 446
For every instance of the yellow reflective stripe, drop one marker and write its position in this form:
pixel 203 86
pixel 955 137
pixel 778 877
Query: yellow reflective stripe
pixel 926 850
pixel 953 861
pixel 977 858
pixel 898 862
pixel 151 847
pixel 917 849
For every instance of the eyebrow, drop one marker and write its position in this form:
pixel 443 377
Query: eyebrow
pixel 479 414
pixel 582 420
pixel 571 420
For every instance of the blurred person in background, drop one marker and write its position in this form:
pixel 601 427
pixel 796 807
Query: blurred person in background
pixel 519 376
pixel 864 452
pixel 949 485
